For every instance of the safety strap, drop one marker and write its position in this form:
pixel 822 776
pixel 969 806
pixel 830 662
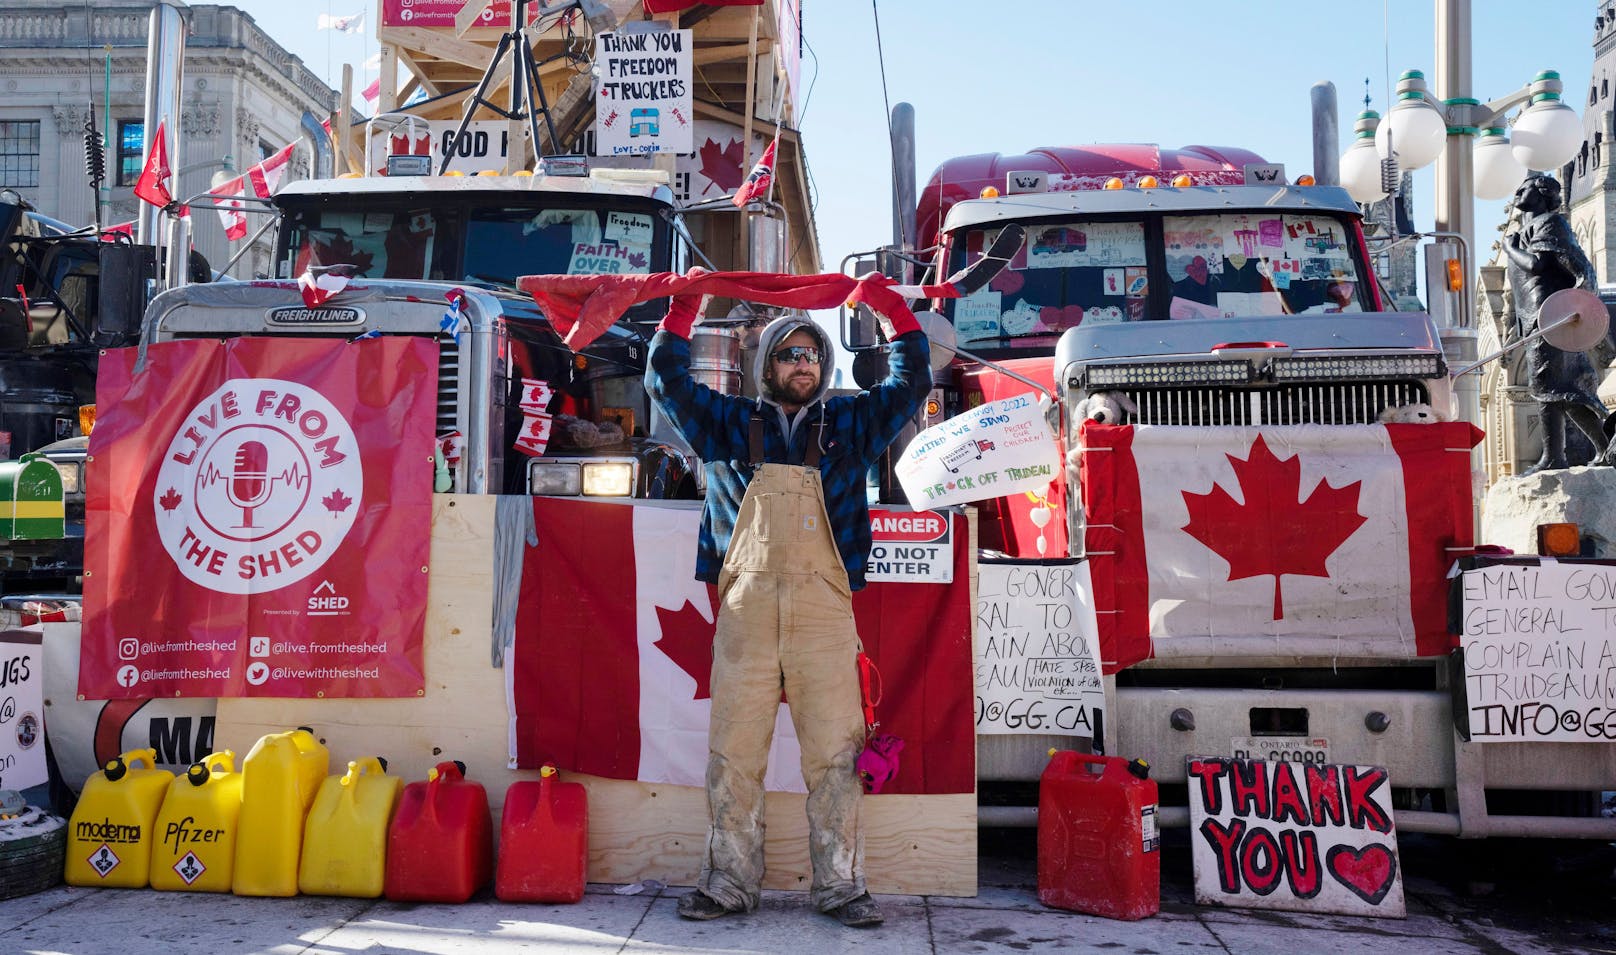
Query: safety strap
pixel 870 689
pixel 754 442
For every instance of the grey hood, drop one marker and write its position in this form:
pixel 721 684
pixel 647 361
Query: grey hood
pixel 773 334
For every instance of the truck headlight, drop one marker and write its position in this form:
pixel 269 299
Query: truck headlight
pixel 554 478
pixel 70 476
pixel 608 479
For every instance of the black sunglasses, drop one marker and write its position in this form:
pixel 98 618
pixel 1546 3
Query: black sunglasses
pixel 796 353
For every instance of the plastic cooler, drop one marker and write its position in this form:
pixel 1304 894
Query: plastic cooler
pixel 109 839
pixel 544 841
pixel 440 847
pixel 196 830
pixel 1098 847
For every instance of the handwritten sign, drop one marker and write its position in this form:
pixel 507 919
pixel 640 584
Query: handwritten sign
pixel 910 547
pixel 643 95
pixel 1540 652
pixel 1282 835
pixel 1037 650
pixel 22 710
pixel 996 449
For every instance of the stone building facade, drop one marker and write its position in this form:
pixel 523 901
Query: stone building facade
pixel 242 97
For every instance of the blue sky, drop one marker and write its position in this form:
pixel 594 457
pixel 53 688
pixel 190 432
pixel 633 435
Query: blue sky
pixel 1017 74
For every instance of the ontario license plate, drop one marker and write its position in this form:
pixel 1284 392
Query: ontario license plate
pixel 1286 749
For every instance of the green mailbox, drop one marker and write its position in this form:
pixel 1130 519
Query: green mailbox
pixel 31 506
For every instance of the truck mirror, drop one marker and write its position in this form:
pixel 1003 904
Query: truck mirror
pixel 126 273
pixel 860 329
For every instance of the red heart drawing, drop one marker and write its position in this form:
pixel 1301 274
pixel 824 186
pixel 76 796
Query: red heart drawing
pixel 1007 282
pixel 1369 872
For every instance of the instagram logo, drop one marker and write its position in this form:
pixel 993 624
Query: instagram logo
pixel 128 648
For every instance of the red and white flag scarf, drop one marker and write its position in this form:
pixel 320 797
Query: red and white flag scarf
pixel 1304 540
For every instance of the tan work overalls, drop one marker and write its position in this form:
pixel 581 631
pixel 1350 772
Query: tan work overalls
pixel 785 619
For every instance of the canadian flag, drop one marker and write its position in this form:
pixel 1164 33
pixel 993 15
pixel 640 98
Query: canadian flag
pixel 609 672
pixel 231 208
pixel 266 176
pixel 1302 540
pixel 759 179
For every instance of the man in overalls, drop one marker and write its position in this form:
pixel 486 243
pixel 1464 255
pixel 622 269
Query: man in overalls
pixel 785 536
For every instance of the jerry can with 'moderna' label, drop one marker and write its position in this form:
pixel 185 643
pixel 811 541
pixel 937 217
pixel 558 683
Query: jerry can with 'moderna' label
pixel 345 839
pixel 109 838
pixel 196 829
pixel 280 777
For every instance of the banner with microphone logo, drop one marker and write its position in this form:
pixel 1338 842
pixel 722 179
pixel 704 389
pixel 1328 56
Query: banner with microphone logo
pixel 258 519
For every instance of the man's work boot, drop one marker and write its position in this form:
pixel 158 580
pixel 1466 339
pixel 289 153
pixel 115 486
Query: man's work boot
pixel 861 912
pixel 698 906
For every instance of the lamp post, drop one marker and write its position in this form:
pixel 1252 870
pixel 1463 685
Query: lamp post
pixel 1420 129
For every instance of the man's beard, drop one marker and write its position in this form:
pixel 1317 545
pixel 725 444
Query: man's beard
pixel 796 391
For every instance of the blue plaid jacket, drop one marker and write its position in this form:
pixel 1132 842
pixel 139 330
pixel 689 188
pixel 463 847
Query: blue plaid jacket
pixel 857 429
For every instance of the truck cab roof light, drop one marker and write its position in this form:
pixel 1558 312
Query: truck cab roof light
pixel 988 192
pixel 1115 182
pixel 1149 182
pixel 1305 180
pixel 1183 181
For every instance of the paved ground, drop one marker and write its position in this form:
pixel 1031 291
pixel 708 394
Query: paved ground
pixel 1541 902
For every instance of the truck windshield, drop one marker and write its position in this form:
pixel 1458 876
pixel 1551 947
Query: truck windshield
pixel 485 244
pixel 1225 265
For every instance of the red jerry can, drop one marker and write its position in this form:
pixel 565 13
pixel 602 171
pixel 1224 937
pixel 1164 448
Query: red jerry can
pixel 1098 848
pixel 543 841
pixel 440 847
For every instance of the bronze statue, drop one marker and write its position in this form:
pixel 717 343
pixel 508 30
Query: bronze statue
pixel 1543 259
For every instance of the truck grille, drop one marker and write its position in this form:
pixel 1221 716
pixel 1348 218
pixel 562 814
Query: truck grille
pixel 1323 403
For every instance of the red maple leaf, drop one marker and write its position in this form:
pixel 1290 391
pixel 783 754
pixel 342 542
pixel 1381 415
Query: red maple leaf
pixel 687 640
pixel 1274 531
pixel 722 165
pixel 170 499
pixel 637 259
pixel 339 251
pixel 336 502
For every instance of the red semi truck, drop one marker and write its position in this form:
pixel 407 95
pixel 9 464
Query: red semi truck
pixel 1237 316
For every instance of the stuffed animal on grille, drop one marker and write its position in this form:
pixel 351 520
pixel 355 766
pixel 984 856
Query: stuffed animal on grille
pixel 1416 413
pixel 1105 407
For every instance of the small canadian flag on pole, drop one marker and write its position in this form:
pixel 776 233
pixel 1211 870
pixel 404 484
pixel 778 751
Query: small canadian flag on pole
pixel 266 176
pixel 230 207
pixel 152 186
pixel 759 179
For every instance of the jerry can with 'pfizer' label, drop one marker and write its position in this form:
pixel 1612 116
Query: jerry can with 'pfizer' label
pixel 196 829
pixel 345 838
pixel 109 838
pixel 279 780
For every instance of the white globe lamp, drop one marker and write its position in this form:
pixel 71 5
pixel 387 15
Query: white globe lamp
pixel 1360 165
pixel 1414 128
pixel 1497 171
pixel 1547 133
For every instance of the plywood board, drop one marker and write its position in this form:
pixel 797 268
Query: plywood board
pixel 919 845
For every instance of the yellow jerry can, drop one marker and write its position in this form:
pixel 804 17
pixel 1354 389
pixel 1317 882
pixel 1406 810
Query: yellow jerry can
pixel 280 777
pixel 196 830
pixel 345 839
pixel 109 839
pixel 31 503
